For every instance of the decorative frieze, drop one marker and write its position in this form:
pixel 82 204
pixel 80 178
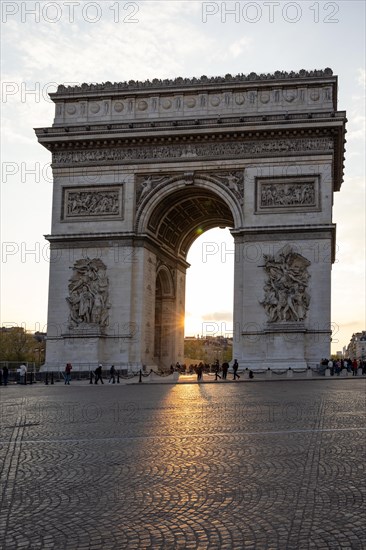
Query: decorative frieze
pixel 285 296
pixel 287 194
pixel 100 203
pixel 88 294
pixel 182 151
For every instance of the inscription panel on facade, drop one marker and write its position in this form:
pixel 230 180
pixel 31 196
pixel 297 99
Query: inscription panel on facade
pixel 92 203
pixel 290 194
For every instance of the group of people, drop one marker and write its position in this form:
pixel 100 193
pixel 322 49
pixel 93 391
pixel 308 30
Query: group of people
pixel 220 371
pixel 22 371
pixel 351 365
pixel 224 369
pixel 97 373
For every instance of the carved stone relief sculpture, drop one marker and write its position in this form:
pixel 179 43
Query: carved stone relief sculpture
pixel 88 294
pixel 285 292
pixel 186 151
pixel 148 183
pixel 85 202
pixel 287 195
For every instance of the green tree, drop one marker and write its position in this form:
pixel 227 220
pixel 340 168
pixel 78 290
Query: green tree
pixel 16 344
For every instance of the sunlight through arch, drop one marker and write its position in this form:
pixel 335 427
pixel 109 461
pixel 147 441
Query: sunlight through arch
pixel 210 284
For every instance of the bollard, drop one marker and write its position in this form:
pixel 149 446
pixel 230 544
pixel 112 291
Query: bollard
pixel 46 379
pixel 140 376
pixel 31 378
pixel 118 377
pixel 91 378
pixel 51 377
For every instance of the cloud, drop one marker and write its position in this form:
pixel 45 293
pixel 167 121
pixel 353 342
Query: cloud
pixel 218 316
pixel 159 45
pixel 239 46
pixel 361 79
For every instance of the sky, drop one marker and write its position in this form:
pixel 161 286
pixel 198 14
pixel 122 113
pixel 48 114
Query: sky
pixel 47 43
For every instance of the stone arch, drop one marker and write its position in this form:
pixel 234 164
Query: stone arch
pixel 177 213
pixel 173 216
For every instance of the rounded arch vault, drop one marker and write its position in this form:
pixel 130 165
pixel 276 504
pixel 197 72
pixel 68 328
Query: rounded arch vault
pixel 175 217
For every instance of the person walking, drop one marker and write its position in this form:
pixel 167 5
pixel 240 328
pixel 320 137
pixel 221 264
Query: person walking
pixel 225 368
pixel 217 369
pixel 23 374
pixel 354 367
pixel 98 374
pixel 235 369
pixel 5 375
pixel 199 372
pixel 67 375
pixel 112 375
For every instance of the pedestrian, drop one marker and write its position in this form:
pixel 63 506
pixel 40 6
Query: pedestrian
pixel 217 369
pixel 112 375
pixel 354 367
pixel 23 373
pixel 67 374
pixel 235 369
pixel 98 374
pixel 5 375
pixel 199 372
pixel 331 367
pixel 225 368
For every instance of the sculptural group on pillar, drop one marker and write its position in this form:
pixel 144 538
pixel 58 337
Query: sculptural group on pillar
pixel 88 293
pixel 285 292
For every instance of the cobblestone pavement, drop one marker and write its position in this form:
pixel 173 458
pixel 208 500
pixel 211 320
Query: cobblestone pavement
pixel 235 466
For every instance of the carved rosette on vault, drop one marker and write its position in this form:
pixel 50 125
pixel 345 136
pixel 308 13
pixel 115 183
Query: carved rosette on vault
pixel 88 294
pixel 286 298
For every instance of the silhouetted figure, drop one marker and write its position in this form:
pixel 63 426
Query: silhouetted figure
pixel 199 372
pixel 67 375
pixel 217 369
pixel 112 375
pixel 5 375
pixel 98 374
pixel 235 369
pixel 225 368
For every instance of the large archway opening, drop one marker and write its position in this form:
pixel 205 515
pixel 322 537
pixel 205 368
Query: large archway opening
pixel 178 220
pixel 209 284
pixel 182 216
pixel 210 298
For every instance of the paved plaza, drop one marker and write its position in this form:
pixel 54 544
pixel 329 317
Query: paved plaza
pixel 274 465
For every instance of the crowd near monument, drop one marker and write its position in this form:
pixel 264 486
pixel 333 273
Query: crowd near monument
pixel 141 168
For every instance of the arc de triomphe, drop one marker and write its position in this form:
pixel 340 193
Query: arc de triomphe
pixel 141 168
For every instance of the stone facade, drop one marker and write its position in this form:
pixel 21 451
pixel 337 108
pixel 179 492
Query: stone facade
pixel 139 167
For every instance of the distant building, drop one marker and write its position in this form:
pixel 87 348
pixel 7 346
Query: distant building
pixel 356 349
